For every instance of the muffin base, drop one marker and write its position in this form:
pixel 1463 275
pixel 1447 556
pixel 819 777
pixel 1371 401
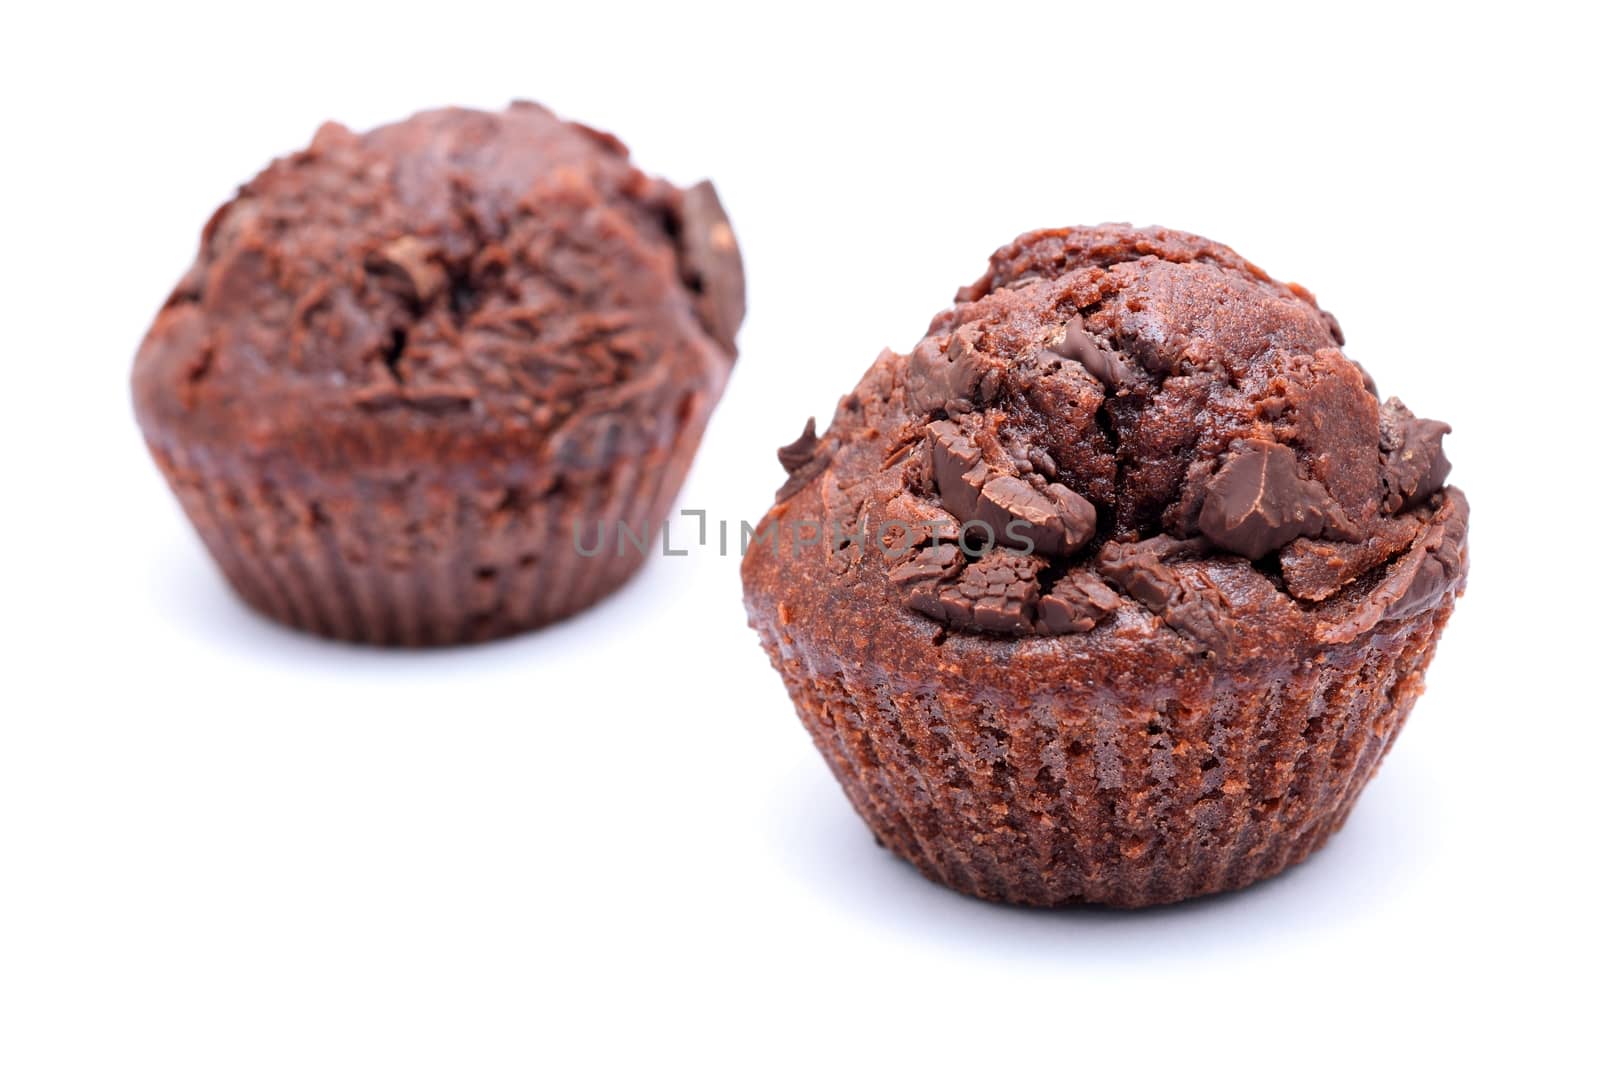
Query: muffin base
pixel 1111 798
pixel 413 561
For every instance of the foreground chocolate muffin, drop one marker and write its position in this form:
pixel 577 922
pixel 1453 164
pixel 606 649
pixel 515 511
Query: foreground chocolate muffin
pixel 418 380
pixel 1120 585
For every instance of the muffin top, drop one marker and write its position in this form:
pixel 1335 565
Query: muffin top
pixel 1116 433
pixel 467 284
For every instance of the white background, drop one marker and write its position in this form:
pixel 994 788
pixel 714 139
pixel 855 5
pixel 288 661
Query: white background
pixel 225 843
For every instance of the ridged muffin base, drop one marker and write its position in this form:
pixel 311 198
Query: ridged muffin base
pixel 1127 799
pixel 420 561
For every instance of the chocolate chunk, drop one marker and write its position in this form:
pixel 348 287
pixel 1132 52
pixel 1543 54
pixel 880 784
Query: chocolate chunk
pixel 1055 522
pixel 1005 500
pixel 1188 603
pixel 1072 342
pixel 795 455
pixel 1079 520
pixel 803 459
pixel 920 577
pixel 1201 615
pixel 996 594
pixel 910 522
pixel 958 469
pixel 1257 502
pixel 1075 604
pixel 1443 564
pixel 1138 569
pixel 1438 575
pixel 932 564
pixel 711 263
pixel 944 378
pixel 1022 517
pixel 1432 568
pixel 954 453
pixel 406 266
pixel 1413 466
pixel 966 493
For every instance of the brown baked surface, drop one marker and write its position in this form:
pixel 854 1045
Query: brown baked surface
pixel 495 316
pixel 1229 533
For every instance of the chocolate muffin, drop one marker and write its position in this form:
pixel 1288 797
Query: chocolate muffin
pixel 431 383
pixel 1120 585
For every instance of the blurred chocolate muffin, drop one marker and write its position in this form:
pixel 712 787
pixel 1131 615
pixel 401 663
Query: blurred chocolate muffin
pixel 424 385
pixel 1118 587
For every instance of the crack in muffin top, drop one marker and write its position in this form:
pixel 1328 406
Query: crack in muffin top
pixel 1107 406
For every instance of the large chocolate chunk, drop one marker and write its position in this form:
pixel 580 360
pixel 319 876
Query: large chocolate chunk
pixel 920 577
pixel 1442 565
pixel 1072 342
pixel 1413 466
pixel 996 594
pixel 1055 522
pixel 1020 516
pixel 1257 502
pixel 1075 604
pixel 958 469
pixel 943 378
pixel 909 522
pixel 1432 568
pixel 1188 603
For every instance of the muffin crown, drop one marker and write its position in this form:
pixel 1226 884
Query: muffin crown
pixel 1110 415
pixel 463 276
